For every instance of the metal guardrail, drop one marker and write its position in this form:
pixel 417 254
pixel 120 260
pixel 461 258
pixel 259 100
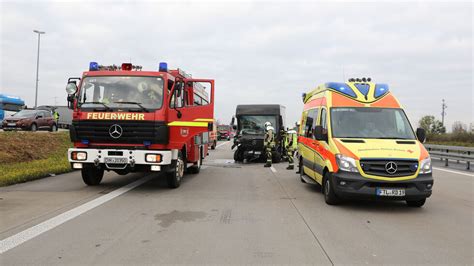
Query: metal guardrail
pixel 446 153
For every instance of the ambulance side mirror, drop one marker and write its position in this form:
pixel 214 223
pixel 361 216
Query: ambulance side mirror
pixel 421 134
pixel 319 133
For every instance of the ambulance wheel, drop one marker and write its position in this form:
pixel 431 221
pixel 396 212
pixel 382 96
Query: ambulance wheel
pixel 174 177
pixel 195 169
pixel 300 166
pixel 91 175
pixel 329 194
pixel 416 203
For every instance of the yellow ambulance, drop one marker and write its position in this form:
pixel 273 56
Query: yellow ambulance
pixel 355 140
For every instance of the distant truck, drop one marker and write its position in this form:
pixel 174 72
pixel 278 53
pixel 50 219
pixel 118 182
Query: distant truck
pixel 251 132
pixel 224 132
pixel 65 116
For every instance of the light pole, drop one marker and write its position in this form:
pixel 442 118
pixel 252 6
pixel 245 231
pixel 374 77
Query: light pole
pixel 37 64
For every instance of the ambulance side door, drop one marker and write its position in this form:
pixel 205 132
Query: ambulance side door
pixel 308 143
pixel 322 147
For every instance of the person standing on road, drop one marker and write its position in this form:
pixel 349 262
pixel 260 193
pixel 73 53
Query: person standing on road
pixel 291 142
pixel 56 116
pixel 269 142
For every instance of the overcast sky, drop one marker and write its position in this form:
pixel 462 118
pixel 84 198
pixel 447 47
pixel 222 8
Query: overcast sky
pixel 265 52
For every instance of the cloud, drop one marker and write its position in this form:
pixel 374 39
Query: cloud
pixel 264 52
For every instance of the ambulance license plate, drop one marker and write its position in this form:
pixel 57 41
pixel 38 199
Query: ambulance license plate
pixel 390 192
pixel 116 160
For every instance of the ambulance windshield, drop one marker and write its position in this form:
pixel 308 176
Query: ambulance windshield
pixel 255 124
pixel 371 123
pixel 141 93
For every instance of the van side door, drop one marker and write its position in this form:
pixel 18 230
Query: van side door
pixel 322 148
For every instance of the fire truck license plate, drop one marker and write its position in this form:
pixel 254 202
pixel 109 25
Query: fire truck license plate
pixel 116 160
pixel 390 192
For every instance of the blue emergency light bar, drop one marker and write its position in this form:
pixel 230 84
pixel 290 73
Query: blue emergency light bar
pixel 342 88
pixel 380 90
pixel 93 66
pixel 163 67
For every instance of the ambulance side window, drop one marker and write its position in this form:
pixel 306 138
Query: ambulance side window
pixel 322 121
pixel 310 122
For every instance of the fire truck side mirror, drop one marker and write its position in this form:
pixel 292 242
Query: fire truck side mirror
pixel 71 88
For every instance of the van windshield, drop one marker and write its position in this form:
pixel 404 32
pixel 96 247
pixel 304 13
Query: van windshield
pixel 255 124
pixel 371 123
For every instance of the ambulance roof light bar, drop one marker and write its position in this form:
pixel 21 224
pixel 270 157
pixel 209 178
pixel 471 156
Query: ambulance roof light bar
pixel 360 80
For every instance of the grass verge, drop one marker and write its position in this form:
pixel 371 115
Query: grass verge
pixel 26 156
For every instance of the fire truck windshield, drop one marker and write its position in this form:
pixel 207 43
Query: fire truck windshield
pixel 129 92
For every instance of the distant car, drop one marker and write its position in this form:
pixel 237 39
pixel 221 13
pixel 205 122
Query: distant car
pixel 30 120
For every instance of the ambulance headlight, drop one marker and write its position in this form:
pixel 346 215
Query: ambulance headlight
pixel 425 166
pixel 346 163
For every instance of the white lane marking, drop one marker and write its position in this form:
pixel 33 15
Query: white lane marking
pixel 32 232
pixel 454 172
pixel 273 169
pixel 222 144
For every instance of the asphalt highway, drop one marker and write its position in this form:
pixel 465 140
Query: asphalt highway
pixel 229 214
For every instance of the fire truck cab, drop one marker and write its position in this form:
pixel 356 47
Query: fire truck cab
pixel 129 120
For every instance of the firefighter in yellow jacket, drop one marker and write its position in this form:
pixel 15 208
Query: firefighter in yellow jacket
pixel 269 142
pixel 291 144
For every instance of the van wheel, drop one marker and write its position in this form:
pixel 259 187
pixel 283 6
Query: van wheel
pixel 92 176
pixel 174 177
pixel 329 195
pixel 33 127
pixel 416 203
pixel 238 155
pixel 195 169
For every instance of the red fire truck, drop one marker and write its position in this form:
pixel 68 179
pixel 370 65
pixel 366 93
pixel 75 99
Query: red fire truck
pixel 129 120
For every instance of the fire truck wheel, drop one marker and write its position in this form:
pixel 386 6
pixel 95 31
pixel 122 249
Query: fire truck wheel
pixel 174 176
pixel 92 175
pixel 195 169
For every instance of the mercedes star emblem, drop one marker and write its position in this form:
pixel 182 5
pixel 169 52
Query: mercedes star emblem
pixel 391 167
pixel 115 131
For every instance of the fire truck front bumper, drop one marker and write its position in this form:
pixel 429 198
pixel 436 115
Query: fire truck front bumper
pixel 115 159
